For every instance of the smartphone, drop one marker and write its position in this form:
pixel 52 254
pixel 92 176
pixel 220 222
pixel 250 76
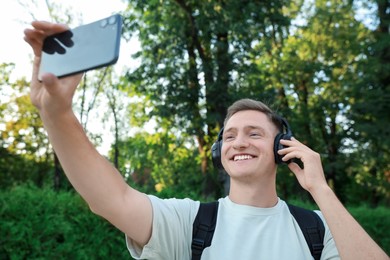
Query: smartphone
pixel 83 48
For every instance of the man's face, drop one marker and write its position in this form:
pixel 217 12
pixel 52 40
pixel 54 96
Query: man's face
pixel 247 148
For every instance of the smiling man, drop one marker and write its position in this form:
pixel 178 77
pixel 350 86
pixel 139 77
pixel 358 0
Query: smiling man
pixel 252 222
pixel 248 157
pixel 247 150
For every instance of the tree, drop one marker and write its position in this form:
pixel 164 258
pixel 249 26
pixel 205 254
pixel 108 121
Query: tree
pixel 195 57
pixel 370 110
pixel 23 143
pixel 160 163
pixel 317 68
pixel 20 126
pixel 307 57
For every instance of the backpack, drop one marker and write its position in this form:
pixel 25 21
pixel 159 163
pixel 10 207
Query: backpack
pixel 204 225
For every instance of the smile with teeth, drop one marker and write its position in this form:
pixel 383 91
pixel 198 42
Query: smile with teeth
pixel 242 157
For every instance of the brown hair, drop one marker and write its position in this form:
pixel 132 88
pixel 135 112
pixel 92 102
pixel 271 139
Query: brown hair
pixel 250 104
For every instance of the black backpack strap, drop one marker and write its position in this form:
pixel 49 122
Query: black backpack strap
pixel 312 227
pixel 203 228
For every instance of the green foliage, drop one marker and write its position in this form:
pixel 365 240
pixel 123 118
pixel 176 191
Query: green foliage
pixel 22 131
pixel 24 148
pixel 16 169
pixel 370 110
pixel 376 221
pixel 161 162
pixel 195 57
pixel 42 224
pixel 312 60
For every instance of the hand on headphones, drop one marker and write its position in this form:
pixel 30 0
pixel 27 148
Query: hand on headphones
pixel 312 175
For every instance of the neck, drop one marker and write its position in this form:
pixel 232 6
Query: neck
pixel 254 193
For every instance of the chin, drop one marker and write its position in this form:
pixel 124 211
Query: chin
pixel 242 173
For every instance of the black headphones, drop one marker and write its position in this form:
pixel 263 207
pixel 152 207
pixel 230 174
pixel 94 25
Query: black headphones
pixel 286 134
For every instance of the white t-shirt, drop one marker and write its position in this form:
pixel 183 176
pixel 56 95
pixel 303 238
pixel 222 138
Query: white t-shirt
pixel 242 232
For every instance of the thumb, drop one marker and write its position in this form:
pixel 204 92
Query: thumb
pixel 51 83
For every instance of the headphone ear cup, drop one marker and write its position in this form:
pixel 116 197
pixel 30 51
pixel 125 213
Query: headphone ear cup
pixel 278 146
pixel 281 136
pixel 216 155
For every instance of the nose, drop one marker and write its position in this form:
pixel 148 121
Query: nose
pixel 240 142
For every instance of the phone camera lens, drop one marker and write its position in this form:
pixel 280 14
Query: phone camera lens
pixel 112 20
pixel 103 23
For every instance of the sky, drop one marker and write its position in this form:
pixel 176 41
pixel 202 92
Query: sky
pixel 14 18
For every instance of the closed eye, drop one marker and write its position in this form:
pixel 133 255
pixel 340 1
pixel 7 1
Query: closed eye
pixel 228 137
pixel 255 135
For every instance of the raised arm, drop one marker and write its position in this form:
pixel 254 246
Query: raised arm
pixel 351 239
pixel 97 181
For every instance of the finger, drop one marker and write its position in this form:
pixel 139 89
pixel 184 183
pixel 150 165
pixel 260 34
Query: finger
pixel 295 168
pixel 55 87
pixel 50 82
pixel 40 31
pixel 291 156
pixel 293 139
pixel 49 28
pixel 36 64
pixel 33 35
pixel 290 142
pixel 287 149
pixel 35 39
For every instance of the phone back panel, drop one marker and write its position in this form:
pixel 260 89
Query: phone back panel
pixel 84 48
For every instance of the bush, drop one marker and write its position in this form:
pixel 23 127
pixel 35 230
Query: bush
pixel 376 221
pixel 43 224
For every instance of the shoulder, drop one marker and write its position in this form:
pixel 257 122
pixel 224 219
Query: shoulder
pixel 172 218
pixel 173 206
